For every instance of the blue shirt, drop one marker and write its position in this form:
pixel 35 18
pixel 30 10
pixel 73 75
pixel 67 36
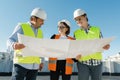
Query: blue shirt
pixel 13 38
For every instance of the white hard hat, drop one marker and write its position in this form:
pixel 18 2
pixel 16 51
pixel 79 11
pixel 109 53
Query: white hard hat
pixel 66 21
pixel 40 13
pixel 79 12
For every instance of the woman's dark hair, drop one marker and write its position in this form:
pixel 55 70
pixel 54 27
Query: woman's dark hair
pixel 68 31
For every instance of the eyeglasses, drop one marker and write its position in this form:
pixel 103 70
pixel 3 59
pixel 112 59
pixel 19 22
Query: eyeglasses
pixel 78 19
pixel 61 27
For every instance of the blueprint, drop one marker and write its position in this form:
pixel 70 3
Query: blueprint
pixel 61 48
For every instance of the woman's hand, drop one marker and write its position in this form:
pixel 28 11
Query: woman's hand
pixel 78 57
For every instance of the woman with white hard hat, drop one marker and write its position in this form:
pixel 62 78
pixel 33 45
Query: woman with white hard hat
pixel 61 66
pixel 26 68
pixel 90 65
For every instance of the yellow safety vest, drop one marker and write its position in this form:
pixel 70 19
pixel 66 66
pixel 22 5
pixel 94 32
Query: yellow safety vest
pixel 27 30
pixel 94 33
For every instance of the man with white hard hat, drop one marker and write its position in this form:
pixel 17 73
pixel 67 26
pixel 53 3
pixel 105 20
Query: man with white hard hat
pixel 26 68
pixel 90 65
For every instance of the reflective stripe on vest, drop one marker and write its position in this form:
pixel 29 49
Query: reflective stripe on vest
pixel 69 61
pixel 69 65
pixel 52 64
pixel 18 58
pixel 94 33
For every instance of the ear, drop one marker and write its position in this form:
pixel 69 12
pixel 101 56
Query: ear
pixel 86 18
pixel 66 29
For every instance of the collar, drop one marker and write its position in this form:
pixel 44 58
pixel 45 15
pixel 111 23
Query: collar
pixel 87 28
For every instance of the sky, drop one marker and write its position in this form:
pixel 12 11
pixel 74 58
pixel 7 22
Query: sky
pixel 102 13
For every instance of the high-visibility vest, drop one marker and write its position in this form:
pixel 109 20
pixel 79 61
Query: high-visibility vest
pixel 94 33
pixel 69 62
pixel 18 58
